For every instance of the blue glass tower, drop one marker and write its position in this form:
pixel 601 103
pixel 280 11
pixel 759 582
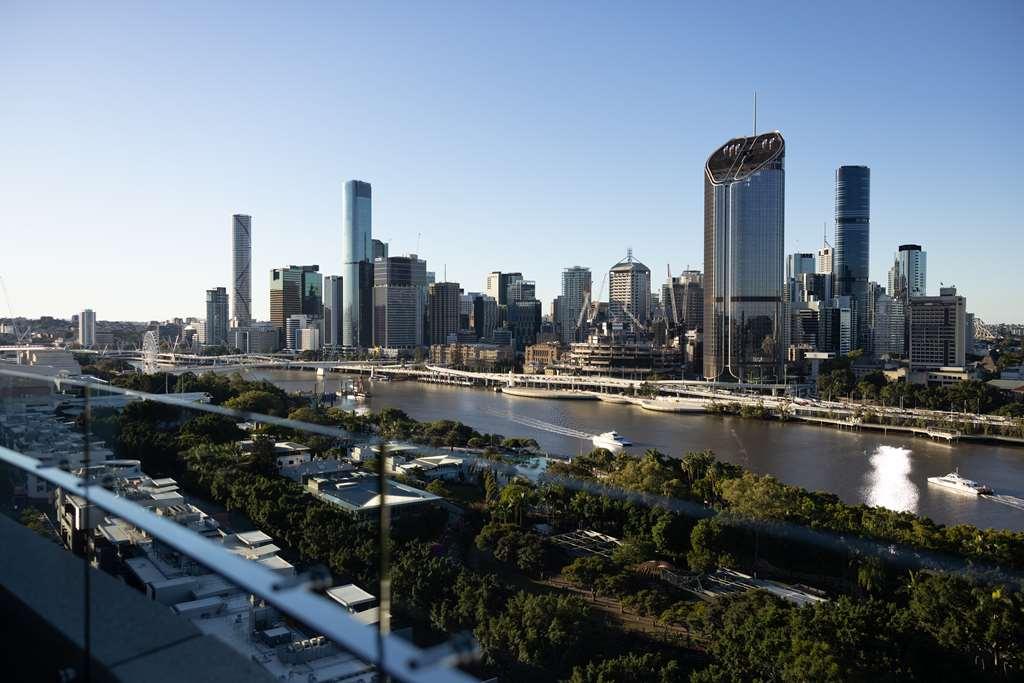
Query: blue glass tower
pixel 853 225
pixel 357 266
pixel 744 228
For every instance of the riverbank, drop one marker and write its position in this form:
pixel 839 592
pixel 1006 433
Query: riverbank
pixel 860 466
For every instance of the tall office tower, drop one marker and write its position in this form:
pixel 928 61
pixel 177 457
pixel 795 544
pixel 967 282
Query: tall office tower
pixel 938 331
pixel 294 290
pixel 524 318
pixel 380 250
pixel 217 316
pixel 87 328
pixel 825 259
pixel 908 276
pixel 744 231
pixel 888 328
pixel 576 293
pixel 485 315
pixel 853 241
pixel 398 309
pixel 332 311
pixel 498 283
pixel 443 311
pixel 241 273
pixel 796 265
pixel 629 291
pixel 357 266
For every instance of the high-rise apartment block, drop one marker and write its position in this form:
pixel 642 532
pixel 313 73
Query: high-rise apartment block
pixel 241 269
pixel 87 328
pixel 217 316
pixel 744 231
pixel 629 291
pixel 357 266
pixel 576 293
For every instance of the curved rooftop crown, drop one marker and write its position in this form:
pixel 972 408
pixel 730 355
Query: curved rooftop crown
pixel 628 265
pixel 742 157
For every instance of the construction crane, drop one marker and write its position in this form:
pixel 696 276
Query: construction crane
pixel 21 336
pixel 672 295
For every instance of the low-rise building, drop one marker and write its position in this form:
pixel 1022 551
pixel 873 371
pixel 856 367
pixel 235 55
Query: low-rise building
pixel 541 356
pixel 472 357
pixel 358 494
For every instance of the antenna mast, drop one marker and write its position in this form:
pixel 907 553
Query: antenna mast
pixel 755 113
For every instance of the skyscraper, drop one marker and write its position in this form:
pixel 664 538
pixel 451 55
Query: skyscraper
pixel 87 328
pixel 576 292
pixel 217 316
pixel 241 273
pixel 853 240
pixel 294 290
pixel 938 331
pixel 908 276
pixel 744 229
pixel 398 301
pixel 683 300
pixel 357 266
pixel 629 290
pixel 825 260
pixel 796 265
pixel 443 312
pixel 332 310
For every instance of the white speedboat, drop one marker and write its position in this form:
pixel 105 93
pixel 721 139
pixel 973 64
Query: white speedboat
pixel 954 482
pixel 613 441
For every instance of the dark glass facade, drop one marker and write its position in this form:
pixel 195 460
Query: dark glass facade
pixel 357 265
pixel 853 225
pixel 744 229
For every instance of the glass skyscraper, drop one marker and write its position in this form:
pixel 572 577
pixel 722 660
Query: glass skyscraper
pixel 853 232
pixel 744 228
pixel 241 269
pixel 357 266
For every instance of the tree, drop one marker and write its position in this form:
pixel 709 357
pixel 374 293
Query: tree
pixel 584 572
pixel 632 667
pixel 438 488
pixel 539 636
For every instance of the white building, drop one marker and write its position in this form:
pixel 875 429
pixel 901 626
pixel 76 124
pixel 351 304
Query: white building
pixel 87 328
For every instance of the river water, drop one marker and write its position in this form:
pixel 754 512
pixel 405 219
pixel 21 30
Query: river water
pixel 890 470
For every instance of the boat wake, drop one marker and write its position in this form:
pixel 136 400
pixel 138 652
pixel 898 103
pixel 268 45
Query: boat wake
pixel 1012 501
pixel 544 426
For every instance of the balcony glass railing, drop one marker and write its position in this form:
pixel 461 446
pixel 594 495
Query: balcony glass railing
pixel 199 531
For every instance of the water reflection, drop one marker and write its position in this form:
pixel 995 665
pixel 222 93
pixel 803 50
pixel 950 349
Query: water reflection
pixel 888 481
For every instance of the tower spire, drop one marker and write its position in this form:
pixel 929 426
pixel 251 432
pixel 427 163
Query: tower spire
pixel 755 113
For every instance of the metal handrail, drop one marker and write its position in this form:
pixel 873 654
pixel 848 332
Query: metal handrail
pixel 400 659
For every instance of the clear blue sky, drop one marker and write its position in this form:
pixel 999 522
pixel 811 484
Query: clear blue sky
pixel 518 136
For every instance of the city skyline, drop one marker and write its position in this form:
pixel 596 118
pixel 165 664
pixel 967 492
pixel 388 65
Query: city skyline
pixel 570 153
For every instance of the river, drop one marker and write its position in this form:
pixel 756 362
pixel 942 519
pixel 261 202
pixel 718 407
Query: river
pixel 890 470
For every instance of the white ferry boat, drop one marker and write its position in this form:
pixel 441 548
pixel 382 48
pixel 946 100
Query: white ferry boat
pixel 954 482
pixel 613 441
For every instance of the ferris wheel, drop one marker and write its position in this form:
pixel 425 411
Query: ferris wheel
pixel 150 349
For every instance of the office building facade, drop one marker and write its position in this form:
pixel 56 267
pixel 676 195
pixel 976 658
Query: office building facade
pixel 443 311
pixel 332 311
pixel 294 290
pixel 853 241
pixel 797 265
pixel 908 276
pixel 398 302
pixel 357 266
pixel 217 316
pixel 241 269
pixel 938 331
pixel 744 230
